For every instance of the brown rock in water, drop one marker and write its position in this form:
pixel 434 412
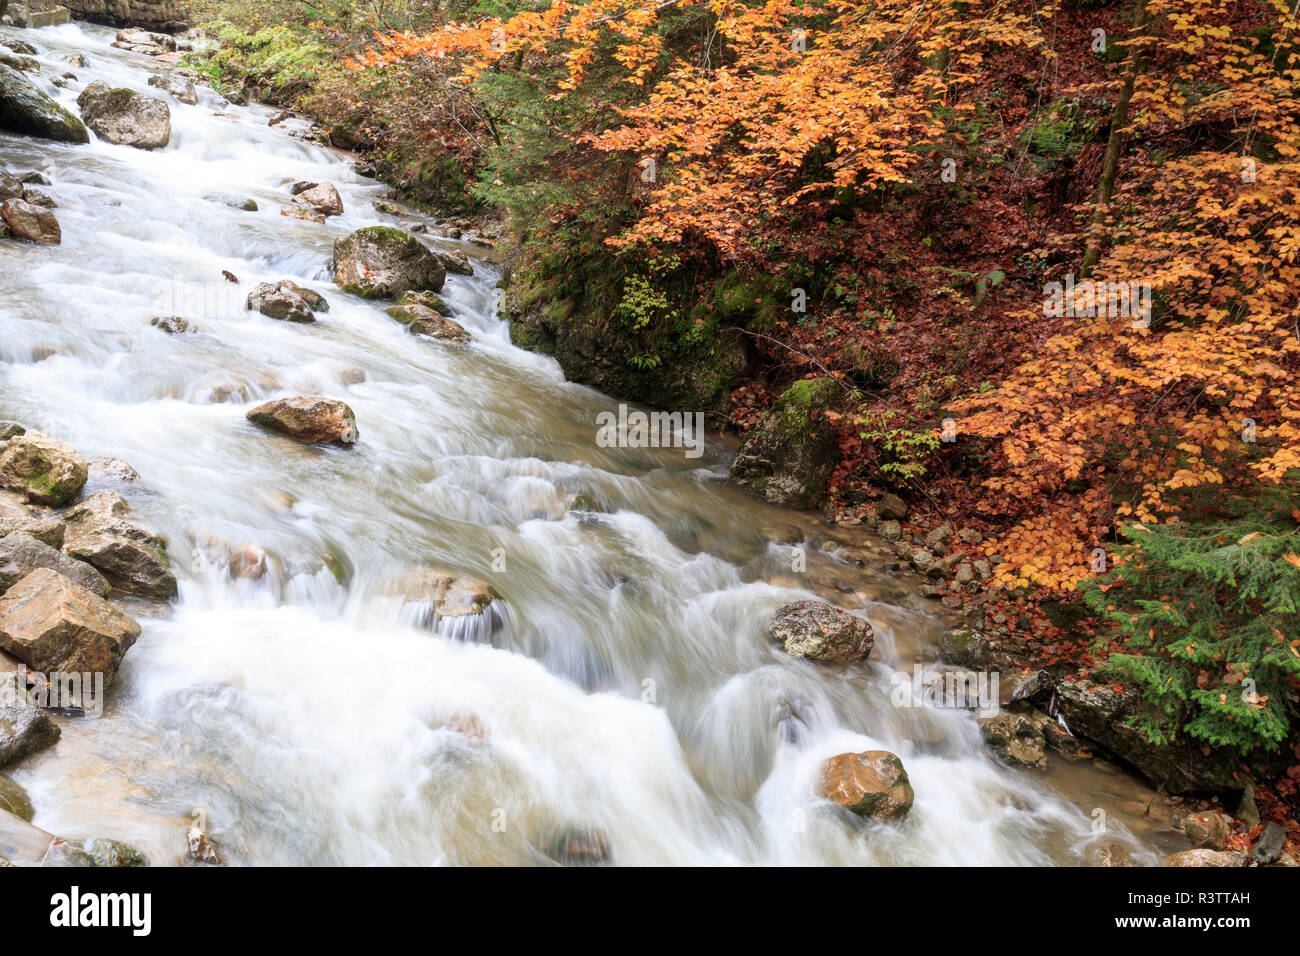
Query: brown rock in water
pixel 1019 738
pixel 311 420
pixel 52 624
pixel 277 301
pixel 378 263
pixel 178 85
pixel 44 471
pixel 301 212
pixel 25 729
pixel 1205 858
pixel 456 262
pixel 126 117
pixel 31 222
pixel 1208 830
pixel 15 515
pixel 13 798
pixel 579 846
pixel 821 632
pixel 21 554
pixel 449 594
pixel 872 784
pixel 315 301
pixel 131 558
pixel 322 198
pixel 421 320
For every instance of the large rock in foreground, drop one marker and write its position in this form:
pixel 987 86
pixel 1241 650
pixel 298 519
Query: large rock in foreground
pixel 131 558
pixel 125 117
pixel 788 458
pixel 51 624
pixel 1100 713
pixel 317 421
pixel 378 263
pixel 821 632
pixel 44 471
pixel 25 109
pixel 872 784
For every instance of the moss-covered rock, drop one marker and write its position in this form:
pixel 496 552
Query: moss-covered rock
pixel 45 471
pixel 788 459
pixel 871 784
pixel 627 336
pixel 25 109
pixel 379 262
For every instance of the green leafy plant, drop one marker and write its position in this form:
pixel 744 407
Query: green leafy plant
pixel 1209 618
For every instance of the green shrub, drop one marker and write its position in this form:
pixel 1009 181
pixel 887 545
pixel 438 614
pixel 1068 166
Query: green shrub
pixel 1209 617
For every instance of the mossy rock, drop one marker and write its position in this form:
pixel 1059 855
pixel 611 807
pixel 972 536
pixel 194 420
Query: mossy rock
pixel 789 457
pixel 14 799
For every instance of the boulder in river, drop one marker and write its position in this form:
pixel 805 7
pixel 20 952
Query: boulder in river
pixel 1101 713
pixel 21 554
pixel 52 624
pixel 316 421
pixel 11 187
pixel 279 301
pixel 143 41
pixel 45 471
pixel 126 117
pixel 965 647
pixel 420 320
pixel 25 729
pixel 1208 830
pixel 456 262
pixel 378 263
pixel 452 595
pixel 30 221
pixel 17 516
pixel 872 784
pixel 1205 858
pixel 113 853
pixel 303 213
pixel 129 557
pixel 788 458
pixel 315 301
pixel 179 86
pixel 1018 737
pixel 430 300
pixel 579 846
pixel 1268 847
pixel 821 632
pixel 172 324
pixel 322 198
pixel 23 64
pixel 25 109
pixel 13 798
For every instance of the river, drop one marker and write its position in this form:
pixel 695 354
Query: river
pixel 623 684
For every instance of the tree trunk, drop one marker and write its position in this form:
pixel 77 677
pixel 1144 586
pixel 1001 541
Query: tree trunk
pixel 1114 147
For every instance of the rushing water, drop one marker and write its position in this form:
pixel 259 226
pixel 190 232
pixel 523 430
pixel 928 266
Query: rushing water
pixel 627 686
